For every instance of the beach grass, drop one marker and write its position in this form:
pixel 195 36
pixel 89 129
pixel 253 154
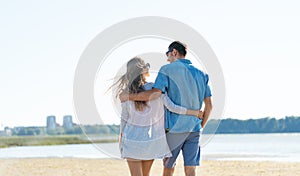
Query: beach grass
pixel 12 141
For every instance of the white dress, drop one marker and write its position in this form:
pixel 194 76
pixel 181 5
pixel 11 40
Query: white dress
pixel 143 132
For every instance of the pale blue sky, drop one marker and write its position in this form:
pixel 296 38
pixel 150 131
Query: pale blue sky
pixel 257 43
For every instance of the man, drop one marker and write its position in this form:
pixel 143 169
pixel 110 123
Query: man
pixel 188 87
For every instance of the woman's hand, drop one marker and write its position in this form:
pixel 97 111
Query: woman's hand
pixel 200 114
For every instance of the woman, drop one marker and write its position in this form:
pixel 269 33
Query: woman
pixel 142 132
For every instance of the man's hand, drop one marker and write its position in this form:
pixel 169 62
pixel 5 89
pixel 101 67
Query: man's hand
pixel 142 96
pixel 124 96
pixel 207 110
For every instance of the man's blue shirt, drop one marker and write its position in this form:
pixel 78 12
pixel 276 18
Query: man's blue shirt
pixel 186 86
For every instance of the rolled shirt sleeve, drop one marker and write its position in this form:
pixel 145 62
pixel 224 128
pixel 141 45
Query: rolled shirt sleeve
pixel 207 88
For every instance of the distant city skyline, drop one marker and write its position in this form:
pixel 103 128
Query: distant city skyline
pixel 256 42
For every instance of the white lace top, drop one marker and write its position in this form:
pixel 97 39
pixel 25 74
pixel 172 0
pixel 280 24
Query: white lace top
pixel 143 132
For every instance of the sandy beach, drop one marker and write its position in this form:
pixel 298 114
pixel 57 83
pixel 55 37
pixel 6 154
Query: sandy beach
pixel 113 167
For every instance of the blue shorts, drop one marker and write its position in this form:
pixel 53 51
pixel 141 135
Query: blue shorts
pixel 189 143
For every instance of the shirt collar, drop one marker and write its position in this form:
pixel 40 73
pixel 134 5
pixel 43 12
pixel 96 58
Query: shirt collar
pixel 185 61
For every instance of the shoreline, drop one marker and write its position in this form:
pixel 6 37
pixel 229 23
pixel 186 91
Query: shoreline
pixel 93 167
pixel 48 140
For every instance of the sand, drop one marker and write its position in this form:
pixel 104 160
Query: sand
pixel 114 167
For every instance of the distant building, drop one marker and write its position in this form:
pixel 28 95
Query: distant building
pixel 8 131
pixel 67 122
pixel 1 127
pixel 51 123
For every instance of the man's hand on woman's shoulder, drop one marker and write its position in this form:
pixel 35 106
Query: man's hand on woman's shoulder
pixel 124 96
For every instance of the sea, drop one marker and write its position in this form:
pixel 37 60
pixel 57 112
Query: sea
pixel 245 147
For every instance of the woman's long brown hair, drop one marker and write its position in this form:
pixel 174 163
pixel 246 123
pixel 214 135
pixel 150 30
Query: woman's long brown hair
pixel 133 80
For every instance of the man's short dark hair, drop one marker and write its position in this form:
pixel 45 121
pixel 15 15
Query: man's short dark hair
pixel 180 47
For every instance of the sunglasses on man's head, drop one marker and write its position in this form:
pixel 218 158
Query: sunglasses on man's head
pixel 170 50
pixel 146 66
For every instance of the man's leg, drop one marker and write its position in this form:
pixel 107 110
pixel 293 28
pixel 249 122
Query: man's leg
pixel 175 142
pixel 169 163
pixel 191 153
pixel 168 171
pixel 190 170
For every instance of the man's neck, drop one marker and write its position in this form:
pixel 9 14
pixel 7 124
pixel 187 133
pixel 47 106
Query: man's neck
pixel 180 57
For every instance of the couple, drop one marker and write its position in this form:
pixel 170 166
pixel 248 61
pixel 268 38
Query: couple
pixel 150 131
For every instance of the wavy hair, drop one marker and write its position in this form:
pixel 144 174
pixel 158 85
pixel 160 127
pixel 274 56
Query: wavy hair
pixel 133 80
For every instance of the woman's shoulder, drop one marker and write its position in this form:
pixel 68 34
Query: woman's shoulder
pixel 148 86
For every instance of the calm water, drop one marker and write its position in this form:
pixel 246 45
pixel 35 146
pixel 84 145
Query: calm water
pixel 273 147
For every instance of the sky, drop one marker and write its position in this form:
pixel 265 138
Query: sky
pixel 257 44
